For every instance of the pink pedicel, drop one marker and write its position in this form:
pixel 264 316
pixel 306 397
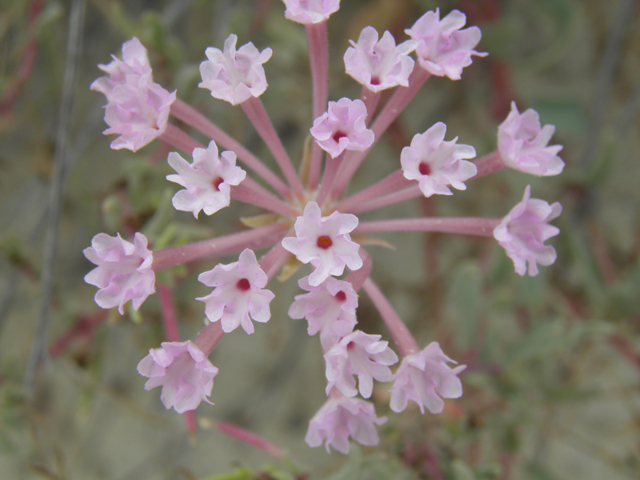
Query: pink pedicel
pixel 523 231
pixel 330 308
pixel 343 127
pixel 524 145
pixel 239 295
pixel 207 181
pixel 184 373
pixel 426 379
pixel 310 11
pixel 443 49
pixel 234 75
pixel 437 164
pixel 123 271
pixel 379 64
pixel 324 242
pixel 362 355
pixel 341 418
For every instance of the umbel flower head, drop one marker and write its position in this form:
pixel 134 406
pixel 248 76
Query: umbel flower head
pixel 207 180
pixel 123 270
pixel 184 373
pixel 234 76
pixel 523 231
pixel 524 145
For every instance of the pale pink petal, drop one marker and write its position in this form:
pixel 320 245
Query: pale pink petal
pixel 310 11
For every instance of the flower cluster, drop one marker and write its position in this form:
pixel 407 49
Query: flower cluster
pixel 310 218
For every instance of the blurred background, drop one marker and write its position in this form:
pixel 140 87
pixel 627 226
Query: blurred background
pixel 551 389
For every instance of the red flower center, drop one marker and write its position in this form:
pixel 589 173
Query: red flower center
pixel 216 183
pixel 424 168
pixel 338 135
pixel 243 285
pixel 324 242
pixel 340 296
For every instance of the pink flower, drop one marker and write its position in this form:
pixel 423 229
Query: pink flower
pixel 523 231
pixel 134 62
pixel 330 308
pixel 358 354
pixel 207 180
pixel 426 379
pixel 379 65
pixel 239 295
pixel 234 76
pixel 341 418
pixel 124 270
pixel 342 127
pixel 138 111
pixel 436 163
pixel 523 145
pixel 444 49
pixel 310 11
pixel 183 371
pixel 324 242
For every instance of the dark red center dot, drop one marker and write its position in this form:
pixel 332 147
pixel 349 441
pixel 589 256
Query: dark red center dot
pixel 375 81
pixel 351 346
pixel 338 135
pixel 243 285
pixel 324 242
pixel 340 296
pixel 216 183
pixel 424 168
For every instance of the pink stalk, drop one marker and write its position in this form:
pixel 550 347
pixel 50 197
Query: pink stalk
pixel 172 333
pixel 246 194
pixel 401 334
pixel 250 438
pixel 179 139
pixel 236 242
pixel 370 100
pixel 386 200
pixel 255 111
pixel 168 314
pixel 189 115
pixel 398 101
pixel 271 262
pixel 358 277
pixel 392 182
pixel 330 169
pixel 465 225
pixel 209 337
pixel 490 163
pixel 318 45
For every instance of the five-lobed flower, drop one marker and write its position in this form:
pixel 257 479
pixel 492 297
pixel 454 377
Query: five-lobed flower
pixel 523 231
pixel 123 270
pixel 437 164
pixel 234 75
pixel 379 64
pixel 343 127
pixel 341 418
pixel 207 180
pixel 426 379
pixel 362 355
pixel 324 242
pixel 330 308
pixel 524 145
pixel 239 295
pixel 442 47
pixel 184 372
